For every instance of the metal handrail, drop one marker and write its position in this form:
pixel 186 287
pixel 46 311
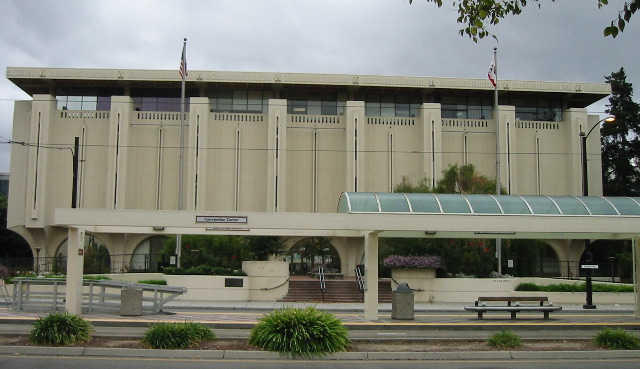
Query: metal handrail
pixel 360 279
pixel 323 285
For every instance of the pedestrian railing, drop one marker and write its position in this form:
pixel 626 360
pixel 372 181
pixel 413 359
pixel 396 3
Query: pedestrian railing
pixel 48 294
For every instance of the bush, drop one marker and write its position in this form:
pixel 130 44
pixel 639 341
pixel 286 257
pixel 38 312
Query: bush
pixel 203 270
pixel 60 329
pixel 578 287
pixel 176 335
pixel 505 339
pixel 300 332
pixel 616 339
pixel 160 282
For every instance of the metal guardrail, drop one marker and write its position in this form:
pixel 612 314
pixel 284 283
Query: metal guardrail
pixel 323 285
pixel 359 279
pixel 48 294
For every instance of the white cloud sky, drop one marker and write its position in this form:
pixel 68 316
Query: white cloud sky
pixel 562 41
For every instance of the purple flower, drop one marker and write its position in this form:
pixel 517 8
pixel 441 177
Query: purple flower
pixel 413 262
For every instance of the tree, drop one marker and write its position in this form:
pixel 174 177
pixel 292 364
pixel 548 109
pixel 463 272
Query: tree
pixel 262 247
pixel 476 14
pixel 464 179
pixel 620 140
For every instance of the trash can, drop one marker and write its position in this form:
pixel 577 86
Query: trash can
pixel 131 301
pixel 402 302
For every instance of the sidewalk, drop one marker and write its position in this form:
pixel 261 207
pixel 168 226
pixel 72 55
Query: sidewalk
pixel 441 321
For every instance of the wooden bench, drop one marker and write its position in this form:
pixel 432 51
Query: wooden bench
pixel 480 306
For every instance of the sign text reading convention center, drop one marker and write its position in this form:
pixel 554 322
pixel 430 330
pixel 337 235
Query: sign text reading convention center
pixel 220 219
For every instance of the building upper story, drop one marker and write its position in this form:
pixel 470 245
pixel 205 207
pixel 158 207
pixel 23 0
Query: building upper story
pixel 282 141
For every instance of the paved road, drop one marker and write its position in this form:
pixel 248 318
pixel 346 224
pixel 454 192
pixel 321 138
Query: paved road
pixel 49 362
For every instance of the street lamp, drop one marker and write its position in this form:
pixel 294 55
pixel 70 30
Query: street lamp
pixel 585 192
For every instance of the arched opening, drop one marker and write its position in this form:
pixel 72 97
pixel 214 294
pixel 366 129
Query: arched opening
pixel 530 258
pixel 613 258
pixel 16 255
pixel 97 259
pixel 309 254
pixel 148 256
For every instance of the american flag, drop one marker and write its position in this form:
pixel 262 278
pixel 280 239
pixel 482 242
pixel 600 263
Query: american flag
pixel 183 61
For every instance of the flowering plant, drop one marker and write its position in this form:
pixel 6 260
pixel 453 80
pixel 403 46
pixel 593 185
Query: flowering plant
pixel 413 262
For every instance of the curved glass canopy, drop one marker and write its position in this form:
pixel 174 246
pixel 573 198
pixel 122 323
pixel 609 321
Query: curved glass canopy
pixel 432 203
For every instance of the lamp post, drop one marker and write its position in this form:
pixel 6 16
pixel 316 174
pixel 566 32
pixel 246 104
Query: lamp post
pixel 585 192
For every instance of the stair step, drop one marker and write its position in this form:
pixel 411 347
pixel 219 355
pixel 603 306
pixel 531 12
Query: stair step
pixel 336 291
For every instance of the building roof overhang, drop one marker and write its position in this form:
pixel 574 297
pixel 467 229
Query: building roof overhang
pixel 34 80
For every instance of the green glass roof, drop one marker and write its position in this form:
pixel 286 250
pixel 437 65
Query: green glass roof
pixel 432 203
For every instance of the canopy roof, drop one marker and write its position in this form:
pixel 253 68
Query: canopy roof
pixel 431 203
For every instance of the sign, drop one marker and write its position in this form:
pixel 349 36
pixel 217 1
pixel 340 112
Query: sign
pixel 589 266
pixel 221 219
pixel 509 263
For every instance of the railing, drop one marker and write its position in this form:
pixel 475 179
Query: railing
pixel 467 123
pixel 323 285
pixel 537 125
pixel 392 121
pixel 360 279
pixel 48 294
pixel 84 114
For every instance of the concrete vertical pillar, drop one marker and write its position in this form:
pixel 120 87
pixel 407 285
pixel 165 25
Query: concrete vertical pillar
pixel 42 114
pixel 355 118
pixel 431 117
pixel 508 162
pixel 75 263
pixel 277 162
pixel 371 276
pixel 196 144
pixel 116 175
pixel 636 272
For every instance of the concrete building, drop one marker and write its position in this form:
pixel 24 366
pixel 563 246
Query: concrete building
pixel 278 142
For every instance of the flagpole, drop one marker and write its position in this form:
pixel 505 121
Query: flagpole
pixel 183 73
pixel 497 120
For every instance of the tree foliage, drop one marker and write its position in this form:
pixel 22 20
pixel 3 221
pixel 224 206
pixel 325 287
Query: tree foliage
pixel 621 140
pixel 477 14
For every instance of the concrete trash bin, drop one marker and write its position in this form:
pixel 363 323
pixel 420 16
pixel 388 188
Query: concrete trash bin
pixel 131 301
pixel 402 306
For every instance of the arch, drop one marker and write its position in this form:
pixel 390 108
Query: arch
pixel 16 254
pixel 97 258
pixel 148 255
pixel 531 258
pixel 310 253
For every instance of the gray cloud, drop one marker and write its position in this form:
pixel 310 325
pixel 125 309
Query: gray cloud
pixel 562 41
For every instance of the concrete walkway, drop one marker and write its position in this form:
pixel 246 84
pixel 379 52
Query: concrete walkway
pixel 432 322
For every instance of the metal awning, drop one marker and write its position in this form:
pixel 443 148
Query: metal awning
pixel 475 204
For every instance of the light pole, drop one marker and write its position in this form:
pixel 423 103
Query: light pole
pixel 585 192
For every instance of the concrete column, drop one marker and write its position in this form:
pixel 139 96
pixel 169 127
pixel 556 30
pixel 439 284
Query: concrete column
pixel 116 175
pixel 576 121
pixel 276 164
pixel 42 113
pixel 636 272
pixel 75 263
pixel 431 117
pixel 196 142
pixel 371 276
pixel 508 163
pixel 355 118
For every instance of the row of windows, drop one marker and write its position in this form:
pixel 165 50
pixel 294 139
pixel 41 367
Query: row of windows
pixel 84 102
pixel 327 103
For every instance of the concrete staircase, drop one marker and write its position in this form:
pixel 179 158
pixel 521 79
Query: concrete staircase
pixel 337 290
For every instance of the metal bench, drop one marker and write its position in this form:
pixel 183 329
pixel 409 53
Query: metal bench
pixel 513 305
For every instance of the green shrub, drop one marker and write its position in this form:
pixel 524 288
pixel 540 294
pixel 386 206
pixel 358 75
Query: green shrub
pixel 505 339
pixel 300 332
pixel 203 270
pixel 577 287
pixel 527 286
pixel 161 282
pixel 616 339
pixel 176 335
pixel 60 329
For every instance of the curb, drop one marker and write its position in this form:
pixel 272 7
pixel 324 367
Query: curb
pixel 344 356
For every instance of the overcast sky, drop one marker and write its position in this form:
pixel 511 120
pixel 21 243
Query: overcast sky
pixel 562 41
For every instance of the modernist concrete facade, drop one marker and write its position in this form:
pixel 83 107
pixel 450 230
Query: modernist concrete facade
pixel 279 142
